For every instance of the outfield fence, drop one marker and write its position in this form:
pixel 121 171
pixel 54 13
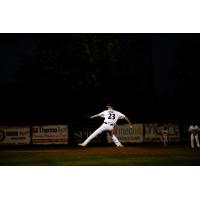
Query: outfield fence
pixel 61 135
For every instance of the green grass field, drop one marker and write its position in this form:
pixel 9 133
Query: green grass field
pixel 101 156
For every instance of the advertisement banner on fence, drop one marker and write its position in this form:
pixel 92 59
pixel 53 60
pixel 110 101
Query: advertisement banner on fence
pixel 51 134
pixel 81 135
pixel 153 132
pixel 125 134
pixel 14 135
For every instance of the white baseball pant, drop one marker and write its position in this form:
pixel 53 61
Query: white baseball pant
pixel 101 129
pixel 194 137
pixel 165 140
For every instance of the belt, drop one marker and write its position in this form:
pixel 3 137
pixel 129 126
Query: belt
pixel 108 124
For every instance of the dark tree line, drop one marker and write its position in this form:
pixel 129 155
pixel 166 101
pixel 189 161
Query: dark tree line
pixel 70 76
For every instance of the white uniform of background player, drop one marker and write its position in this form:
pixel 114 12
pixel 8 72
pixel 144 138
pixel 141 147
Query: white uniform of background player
pixel 110 119
pixel 165 136
pixel 194 130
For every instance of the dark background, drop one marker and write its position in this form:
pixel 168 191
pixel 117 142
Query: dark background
pixel 64 78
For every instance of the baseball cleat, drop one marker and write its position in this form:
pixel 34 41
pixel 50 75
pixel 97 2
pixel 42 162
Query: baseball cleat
pixel 82 145
pixel 120 145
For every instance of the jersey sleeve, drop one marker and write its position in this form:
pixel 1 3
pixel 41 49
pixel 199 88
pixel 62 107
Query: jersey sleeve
pixel 190 129
pixel 121 116
pixel 102 114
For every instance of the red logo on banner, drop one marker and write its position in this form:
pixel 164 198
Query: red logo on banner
pixel 35 130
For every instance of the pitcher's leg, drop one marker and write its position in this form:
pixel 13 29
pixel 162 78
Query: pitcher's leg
pixel 93 135
pixel 116 141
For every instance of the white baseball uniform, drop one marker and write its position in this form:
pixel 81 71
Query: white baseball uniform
pixel 165 137
pixel 194 129
pixel 110 120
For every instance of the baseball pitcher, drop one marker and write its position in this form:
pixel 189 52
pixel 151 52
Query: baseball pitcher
pixel 111 117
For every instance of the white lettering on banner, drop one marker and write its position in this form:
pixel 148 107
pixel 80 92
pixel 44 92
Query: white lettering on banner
pixel 81 135
pixel 153 132
pixel 14 135
pixel 51 134
pixel 125 134
pixel 42 134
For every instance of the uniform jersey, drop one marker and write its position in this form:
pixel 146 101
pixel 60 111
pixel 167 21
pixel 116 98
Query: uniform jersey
pixel 194 129
pixel 165 132
pixel 111 116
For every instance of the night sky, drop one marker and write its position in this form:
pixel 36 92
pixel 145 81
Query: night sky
pixel 164 47
pixel 158 52
pixel 12 49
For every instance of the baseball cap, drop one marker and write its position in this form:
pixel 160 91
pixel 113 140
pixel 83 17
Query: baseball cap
pixel 109 105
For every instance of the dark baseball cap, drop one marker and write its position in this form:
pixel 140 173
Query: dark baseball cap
pixel 109 105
